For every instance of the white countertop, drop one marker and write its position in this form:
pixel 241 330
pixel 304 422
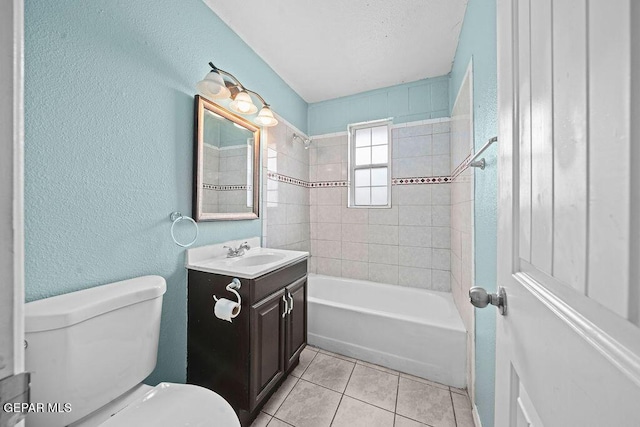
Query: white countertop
pixel 213 259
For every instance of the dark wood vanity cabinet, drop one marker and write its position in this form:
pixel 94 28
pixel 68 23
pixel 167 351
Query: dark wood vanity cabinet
pixel 246 360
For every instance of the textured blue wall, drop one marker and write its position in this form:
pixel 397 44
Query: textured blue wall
pixel 109 91
pixel 423 99
pixel 478 40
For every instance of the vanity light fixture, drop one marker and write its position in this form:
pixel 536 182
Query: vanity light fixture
pixel 214 86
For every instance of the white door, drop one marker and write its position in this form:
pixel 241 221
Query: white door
pixel 11 240
pixel 568 349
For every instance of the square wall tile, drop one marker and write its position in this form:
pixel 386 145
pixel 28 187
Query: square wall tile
pixel 383 254
pixel 414 146
pixel 411 235
pixel 441 237
pixel 384 216
pixel 329 172
pixel 441 259
pixel 409 256
pixel 329 266
pixel 355 269
pixel 357 233
pixel 355 251
pixel 441 216
pixel 354 215
pixel 383 273
pixel 441 280
pixel 414 194
pixel 415 277
pixel 328 214
pixel 441 144
pixel 441 165
pixel 329 249
pixel 383 234
pixel 328 231
pixel 329 196
pixel 415 215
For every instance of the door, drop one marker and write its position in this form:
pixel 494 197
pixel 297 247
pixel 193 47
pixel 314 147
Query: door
pixel 267 344
pixel 568 349
pixel 296 320
pixel 13 384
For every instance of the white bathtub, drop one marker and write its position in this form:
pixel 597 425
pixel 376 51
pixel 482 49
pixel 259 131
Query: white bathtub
pixel 410 330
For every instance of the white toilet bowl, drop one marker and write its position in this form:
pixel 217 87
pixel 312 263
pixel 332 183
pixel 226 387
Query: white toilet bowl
pixel 176 405
pixel 92 349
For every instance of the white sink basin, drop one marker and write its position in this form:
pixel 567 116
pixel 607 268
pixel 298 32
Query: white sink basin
pixel 254 263
pixel 249 260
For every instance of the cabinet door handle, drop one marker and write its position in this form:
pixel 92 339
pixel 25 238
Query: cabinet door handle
pixel 290 303
pixel 286 306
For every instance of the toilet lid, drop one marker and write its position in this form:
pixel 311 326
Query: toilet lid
pixel 176 405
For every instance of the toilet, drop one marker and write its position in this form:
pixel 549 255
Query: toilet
pixel 88 353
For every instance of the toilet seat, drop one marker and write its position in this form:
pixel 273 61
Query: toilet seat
pixel 176 405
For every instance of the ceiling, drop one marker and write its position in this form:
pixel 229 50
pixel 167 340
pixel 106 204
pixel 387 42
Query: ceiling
pixel 331 48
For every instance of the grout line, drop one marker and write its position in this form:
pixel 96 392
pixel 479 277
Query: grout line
pixel 453 408
pixel 342 394
pixel 395 408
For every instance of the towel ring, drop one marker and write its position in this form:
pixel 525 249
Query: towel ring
pixel 176 217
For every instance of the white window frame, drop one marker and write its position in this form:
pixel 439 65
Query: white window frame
pixel 351 130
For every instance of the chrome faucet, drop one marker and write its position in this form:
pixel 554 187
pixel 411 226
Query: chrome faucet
pixel 233 253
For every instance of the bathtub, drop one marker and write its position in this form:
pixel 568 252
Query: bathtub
pixel 415 331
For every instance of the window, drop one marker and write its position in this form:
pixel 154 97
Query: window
pixel 369 165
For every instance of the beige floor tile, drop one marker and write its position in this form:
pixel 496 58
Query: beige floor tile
pixel 462 408
pixel 261 420
pixel 329 372
pixel 278 423
pixel 425 403
pixel 353 413
pixel 306 356
pixel 309 405
pixel 276 399
pixel 372 386
pixel 406 422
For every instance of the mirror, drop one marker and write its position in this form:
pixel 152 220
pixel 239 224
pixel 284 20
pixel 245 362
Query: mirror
pixel 226 181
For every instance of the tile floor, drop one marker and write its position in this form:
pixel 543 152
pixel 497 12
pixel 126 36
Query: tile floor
pixel 328 389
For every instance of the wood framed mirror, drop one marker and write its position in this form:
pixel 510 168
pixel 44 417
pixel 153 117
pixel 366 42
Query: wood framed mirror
pixel 226 184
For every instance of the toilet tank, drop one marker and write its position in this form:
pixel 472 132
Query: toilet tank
pixel 88 347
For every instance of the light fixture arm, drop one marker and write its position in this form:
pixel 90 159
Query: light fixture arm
pixel 237 83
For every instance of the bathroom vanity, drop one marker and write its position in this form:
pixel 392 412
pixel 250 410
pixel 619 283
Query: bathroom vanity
pixel 245 360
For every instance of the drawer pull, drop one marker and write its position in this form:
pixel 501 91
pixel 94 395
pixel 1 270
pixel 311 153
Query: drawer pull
pixel 286 305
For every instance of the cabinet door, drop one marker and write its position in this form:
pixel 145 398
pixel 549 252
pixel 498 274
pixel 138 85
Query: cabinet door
pixel 267 345
pixel 296 320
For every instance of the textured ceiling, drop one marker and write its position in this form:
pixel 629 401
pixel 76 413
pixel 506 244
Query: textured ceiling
pixel 332 48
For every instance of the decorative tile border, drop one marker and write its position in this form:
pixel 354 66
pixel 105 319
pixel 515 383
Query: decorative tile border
pixel 416 180
pixel 288 179
pixel 217 187
pixel 325 184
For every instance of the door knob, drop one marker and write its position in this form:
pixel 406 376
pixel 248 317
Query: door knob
pixel 479 297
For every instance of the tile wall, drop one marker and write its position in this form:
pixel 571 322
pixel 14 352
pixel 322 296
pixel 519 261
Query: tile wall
pixel 285 176
pixel 462 214
pixel 407 244
pixel 232 191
